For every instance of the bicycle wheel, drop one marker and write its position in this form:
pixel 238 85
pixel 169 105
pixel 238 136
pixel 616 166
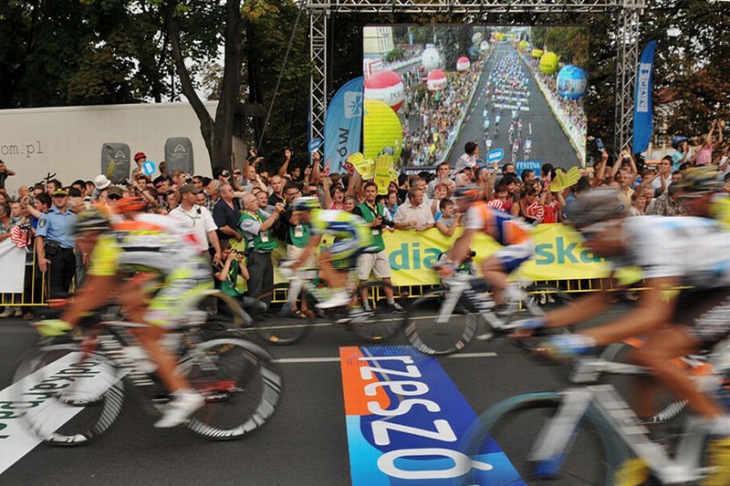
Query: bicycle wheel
pixel 75 397
pixel 507 432
pixel 240 384
pixel 381 323
pixel 222 312
pixel 429 336
pixel 284 328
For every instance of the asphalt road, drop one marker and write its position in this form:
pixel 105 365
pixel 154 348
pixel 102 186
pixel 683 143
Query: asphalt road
pixel 550 144
pixel 305 443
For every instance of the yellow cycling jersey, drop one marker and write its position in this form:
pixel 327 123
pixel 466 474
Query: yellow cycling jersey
pixel 144 246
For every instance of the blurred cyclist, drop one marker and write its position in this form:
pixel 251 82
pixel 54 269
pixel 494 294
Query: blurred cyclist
pixel 506 230
pixel 151 251
pixel 352 237
pixel 671 252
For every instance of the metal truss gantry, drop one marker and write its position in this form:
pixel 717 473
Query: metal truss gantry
pixel 627 14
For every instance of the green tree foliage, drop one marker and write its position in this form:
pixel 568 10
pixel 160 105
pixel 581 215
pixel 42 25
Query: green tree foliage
pixel 61 52
pixel 55 53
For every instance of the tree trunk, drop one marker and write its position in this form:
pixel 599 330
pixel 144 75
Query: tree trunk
pixel 216 133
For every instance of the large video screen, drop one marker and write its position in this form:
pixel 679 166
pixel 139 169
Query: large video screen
pixel 431 89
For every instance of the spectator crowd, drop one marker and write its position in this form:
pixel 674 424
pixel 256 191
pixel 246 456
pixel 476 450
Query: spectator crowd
pixel 240 216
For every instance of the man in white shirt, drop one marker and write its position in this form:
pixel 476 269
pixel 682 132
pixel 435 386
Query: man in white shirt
pixel 414 213
pixel 198 220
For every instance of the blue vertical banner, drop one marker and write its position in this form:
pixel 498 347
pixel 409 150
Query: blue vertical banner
pixel 343 124
pixel 643 121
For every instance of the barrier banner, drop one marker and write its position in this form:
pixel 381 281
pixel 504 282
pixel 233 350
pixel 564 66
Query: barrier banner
pixel 12 261
pixel 558 255
pixel 405 418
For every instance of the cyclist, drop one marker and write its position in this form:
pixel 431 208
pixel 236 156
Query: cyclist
pixel 486 127
pixel 528 147
pixel 124 246
pixel 497 119
pixel 352 237
pixel 506 230
pixel 671 251
pixel 488 144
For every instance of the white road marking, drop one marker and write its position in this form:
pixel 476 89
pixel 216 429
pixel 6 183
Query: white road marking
pixel 19 398
pixel 327 359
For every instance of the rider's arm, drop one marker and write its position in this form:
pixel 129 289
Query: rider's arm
pixel 654 309
pixel 94 293
pixel 461 246
pixel 579 311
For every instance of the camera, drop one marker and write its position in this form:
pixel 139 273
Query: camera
pixel 472 254
pixel 188 180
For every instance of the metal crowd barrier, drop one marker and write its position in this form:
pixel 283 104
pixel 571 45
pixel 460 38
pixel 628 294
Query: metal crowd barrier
pixel 36 288
pixel 35 293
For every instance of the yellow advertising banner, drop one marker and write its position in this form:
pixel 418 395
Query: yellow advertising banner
pixel 558 255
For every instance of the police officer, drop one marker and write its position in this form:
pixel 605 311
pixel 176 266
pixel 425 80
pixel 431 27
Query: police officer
pixel 54 243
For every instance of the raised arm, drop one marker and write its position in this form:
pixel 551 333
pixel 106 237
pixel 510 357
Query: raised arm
pixel 285 166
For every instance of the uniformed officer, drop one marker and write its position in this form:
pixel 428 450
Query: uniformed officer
pixel 54 243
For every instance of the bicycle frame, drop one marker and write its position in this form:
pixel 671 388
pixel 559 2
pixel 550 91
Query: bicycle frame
pixel 461 287
pixel 556 436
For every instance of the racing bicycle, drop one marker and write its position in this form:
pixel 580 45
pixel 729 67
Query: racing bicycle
pixel 372 321
pixel 583 434
pixel 444 320
pixel 78 381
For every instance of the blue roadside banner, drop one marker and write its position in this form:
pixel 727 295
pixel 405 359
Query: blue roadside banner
pixel 643 120
pixel 343 124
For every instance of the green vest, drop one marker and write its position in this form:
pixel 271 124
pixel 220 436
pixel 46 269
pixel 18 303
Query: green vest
pixel 299 234
pixel 263 241
pixel 376 239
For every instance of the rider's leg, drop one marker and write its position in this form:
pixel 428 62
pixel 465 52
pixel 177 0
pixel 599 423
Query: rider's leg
pixel 133 298
pixel 335 279
pixel 657 354
pixel 494 273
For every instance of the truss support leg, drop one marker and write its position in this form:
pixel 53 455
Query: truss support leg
pixel 627 58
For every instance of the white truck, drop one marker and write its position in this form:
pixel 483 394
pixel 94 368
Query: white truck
pixel 80 142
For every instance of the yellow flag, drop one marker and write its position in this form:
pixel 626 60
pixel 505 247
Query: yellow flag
pixel 565 179
pixel 383 167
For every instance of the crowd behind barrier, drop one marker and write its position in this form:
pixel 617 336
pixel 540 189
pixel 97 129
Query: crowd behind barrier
pixel 248 208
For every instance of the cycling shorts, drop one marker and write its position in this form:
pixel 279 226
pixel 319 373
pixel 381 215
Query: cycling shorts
pixel 512 256
pixel 705 313
pixel 346 249
pixel 178 293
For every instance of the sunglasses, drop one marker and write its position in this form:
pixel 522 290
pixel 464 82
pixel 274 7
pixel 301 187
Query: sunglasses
pixel 592 231
pixel 115 198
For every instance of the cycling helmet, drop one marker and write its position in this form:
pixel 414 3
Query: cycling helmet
pixel 677 140
pixel 468 191
pixel 595 206
pixel 700 180
pixel 306 203
pixel 90 220
pixel 131 203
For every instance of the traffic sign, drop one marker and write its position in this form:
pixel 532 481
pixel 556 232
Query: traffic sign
pixel 149 168
pixel 315 144
pixel 495 155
